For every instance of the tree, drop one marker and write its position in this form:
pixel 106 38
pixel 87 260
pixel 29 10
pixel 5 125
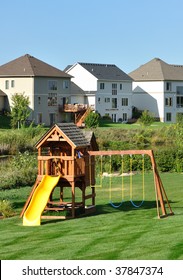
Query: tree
pixel 146 119
pixel 19 110
pixel 92 120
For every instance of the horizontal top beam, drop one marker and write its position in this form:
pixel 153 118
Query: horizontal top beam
pixel 124 152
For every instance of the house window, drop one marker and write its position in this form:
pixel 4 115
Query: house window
pixel 114 117
pixel 124 102
pixel 66 84
pixel 121 86
pixel 179 90
pixel 39 100
pixel 6 84
pixel 52 85
pixel 39 118
pixel 99 100
pixel 114 89
pixel 107 100
pixel 102 85
pixel 114 103
pixel 180 101
pixel 52 99
pixel 125 117
pixel 168 117
pixel 168 101
pixel 52 118
pixel 168 86
pixel 12 83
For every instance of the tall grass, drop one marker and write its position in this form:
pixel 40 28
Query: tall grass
pixel 19 140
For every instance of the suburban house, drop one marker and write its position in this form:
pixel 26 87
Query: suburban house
pixel 158 88
pixel 47 87
pixel 103 87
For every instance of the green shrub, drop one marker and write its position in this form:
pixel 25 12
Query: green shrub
pixel 92 120
pixel 21 170
pixel 6 209
pixel 165 159
pixel 146 118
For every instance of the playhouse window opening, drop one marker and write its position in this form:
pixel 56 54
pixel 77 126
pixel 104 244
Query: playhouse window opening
pixel 45 151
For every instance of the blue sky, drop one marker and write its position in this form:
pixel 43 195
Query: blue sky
pixel 127 33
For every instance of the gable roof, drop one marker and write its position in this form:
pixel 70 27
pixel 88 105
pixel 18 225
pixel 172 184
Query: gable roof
pixel 103 71
pixel 157 70
pixel 2 93
pixel 70 132
pixel 106 71
pixel 30 66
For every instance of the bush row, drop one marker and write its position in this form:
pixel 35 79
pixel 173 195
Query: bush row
pixel 167 160
pixel 13 141
pixel 21 170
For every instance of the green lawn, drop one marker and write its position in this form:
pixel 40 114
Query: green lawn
pixel 123 233
pixel 109 124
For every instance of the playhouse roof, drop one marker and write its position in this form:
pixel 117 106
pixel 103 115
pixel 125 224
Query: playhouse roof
pixel 69 131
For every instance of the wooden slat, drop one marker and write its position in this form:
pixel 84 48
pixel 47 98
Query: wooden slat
pixel 55 217
pixel 90 196
pixel 124 152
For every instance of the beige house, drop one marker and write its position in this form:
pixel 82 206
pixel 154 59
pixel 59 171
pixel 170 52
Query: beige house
pixel 47 87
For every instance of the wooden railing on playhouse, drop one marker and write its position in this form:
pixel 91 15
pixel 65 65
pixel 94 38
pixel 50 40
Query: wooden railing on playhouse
pixel 58 165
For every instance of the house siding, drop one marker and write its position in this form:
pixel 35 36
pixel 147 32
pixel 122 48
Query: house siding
pixel 21 85
pixel 149 96
pixel 82 78
pixel 152 95
pixel 104 100
pixel 41 95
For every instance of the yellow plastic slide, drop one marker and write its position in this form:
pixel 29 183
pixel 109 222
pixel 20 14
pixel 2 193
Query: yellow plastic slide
pixel 32 215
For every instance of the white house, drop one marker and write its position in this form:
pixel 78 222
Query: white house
pixel 158 88
pixel 47 87
pixel 105 87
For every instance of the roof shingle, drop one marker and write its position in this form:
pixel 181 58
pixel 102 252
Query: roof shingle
pixel 105 71
pixel 158 70
pixel 28 65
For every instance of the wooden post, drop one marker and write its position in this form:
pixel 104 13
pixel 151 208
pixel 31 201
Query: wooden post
pixel 61 193
pixel 73 198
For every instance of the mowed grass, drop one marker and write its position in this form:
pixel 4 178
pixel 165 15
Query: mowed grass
pixel 110 234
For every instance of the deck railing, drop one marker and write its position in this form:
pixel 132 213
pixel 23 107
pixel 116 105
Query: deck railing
pixel 73 107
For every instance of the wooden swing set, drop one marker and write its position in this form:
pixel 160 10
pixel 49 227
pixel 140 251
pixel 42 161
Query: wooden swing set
pixel 160 193
pixel 66 152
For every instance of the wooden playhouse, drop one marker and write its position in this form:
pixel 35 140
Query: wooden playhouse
pixel 63 151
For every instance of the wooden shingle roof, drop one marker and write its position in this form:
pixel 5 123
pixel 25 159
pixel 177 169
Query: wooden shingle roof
pixel 30 66
pixel 69 131
pixel 74 133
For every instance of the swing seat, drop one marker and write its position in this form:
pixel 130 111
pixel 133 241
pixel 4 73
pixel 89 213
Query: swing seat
pixel 116 206
pixel 135 205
